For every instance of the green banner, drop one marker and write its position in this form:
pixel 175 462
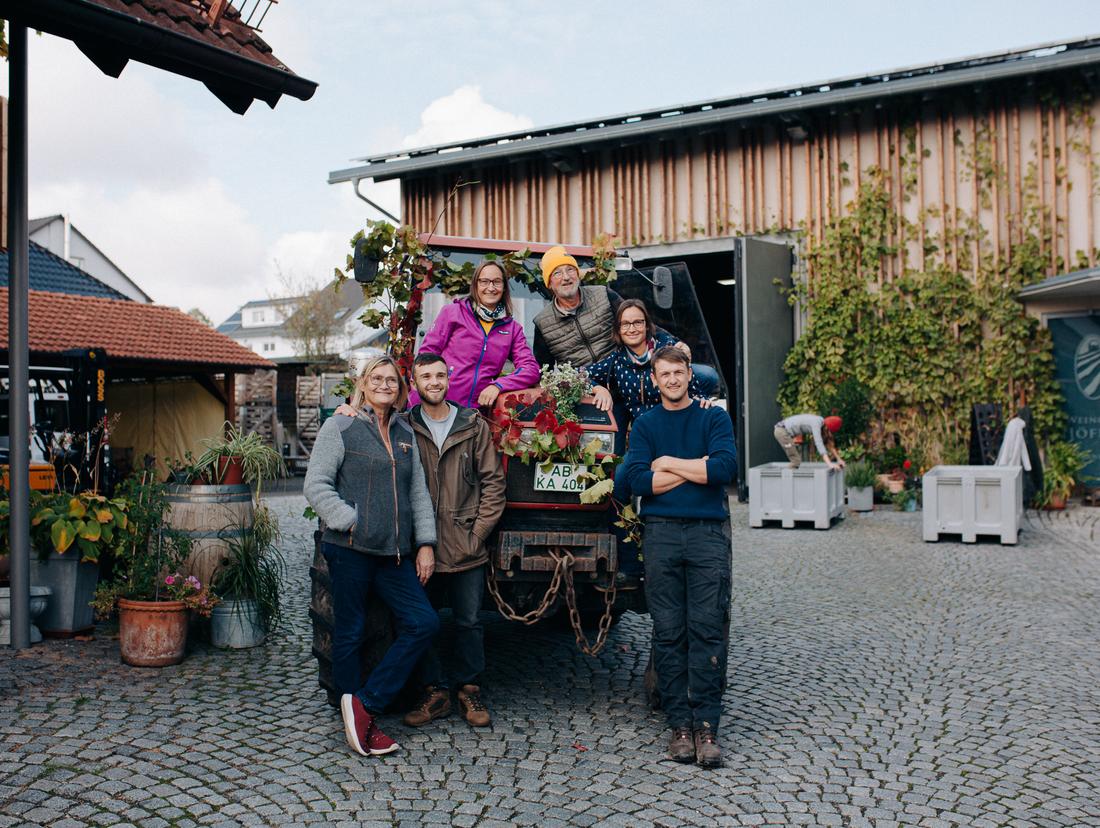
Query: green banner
pixel 1077 368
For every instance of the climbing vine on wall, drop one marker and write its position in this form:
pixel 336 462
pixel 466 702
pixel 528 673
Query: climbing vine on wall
pixel 930 341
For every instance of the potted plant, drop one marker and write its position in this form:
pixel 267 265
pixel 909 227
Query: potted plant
pixel 1064 462
pixel 248 582
pixel 907 498
pixel 153 599
pixel 70 533
pixel 183 472
pixel 566 385
pixel 859 477
pixel 239 457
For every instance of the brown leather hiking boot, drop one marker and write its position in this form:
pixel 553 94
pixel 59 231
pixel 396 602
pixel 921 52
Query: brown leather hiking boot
pixel 435 705
pixel 680 746
pixel 707 752
pixel 473 708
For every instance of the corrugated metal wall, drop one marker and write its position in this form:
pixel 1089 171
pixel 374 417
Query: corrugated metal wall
pixel 754 178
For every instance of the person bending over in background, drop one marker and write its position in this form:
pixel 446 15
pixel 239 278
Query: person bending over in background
pixel 809 424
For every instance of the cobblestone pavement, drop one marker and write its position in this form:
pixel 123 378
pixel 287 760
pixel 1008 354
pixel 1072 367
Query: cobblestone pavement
pixel 874 680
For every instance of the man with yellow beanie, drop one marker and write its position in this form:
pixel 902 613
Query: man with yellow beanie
pixel 577 326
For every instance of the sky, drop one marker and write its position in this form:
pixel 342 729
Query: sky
pixel 205 208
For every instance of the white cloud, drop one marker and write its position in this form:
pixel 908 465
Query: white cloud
pixel 89 127
pixel 306 257
pixel 462 114
pixel 189 246
pixel 142 174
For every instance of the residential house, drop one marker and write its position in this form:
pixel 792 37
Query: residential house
pixel 58 235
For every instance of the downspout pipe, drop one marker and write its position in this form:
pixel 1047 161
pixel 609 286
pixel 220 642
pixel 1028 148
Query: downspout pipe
pixel 377 207
pixel 19 527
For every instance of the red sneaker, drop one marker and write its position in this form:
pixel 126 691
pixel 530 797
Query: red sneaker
pixel 357 723
pixel 378 743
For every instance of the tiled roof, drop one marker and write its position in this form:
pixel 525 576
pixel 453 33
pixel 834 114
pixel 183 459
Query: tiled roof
pixel 233 323
pixel 51 272
pixel 126 330
pixel 229 57
pixel 189 18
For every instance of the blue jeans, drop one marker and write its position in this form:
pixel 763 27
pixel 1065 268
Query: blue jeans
pixel 354 575
pixel 706 377
pixel 466 589
pixel 687 588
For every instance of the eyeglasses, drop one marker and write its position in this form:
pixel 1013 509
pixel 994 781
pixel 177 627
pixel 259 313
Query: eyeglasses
pixel 378 382
pixel 562 272
pixel 490 283
pixel 626 325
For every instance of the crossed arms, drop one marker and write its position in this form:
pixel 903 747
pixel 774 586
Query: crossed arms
pixel 670 472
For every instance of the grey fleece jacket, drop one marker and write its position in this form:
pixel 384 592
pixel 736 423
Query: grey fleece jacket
pixel 368 500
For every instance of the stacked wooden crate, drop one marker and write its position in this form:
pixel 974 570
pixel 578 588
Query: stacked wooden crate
pixel 309 412
pixel 256 404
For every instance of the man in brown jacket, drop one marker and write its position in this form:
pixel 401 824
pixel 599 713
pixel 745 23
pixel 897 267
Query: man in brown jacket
pixel 466 481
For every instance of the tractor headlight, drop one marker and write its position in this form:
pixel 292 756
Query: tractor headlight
pixel 606 439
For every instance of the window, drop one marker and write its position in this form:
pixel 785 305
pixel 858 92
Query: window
pixel 269 346
pixel 258 316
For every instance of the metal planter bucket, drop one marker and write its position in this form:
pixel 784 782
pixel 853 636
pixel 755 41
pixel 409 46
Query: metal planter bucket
pixel 236 625
pixel 861 499
pixel 72 584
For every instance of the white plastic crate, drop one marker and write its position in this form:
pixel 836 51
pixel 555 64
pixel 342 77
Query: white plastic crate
pixel 812 492
pixel 972 501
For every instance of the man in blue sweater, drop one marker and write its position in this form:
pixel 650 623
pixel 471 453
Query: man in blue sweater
pixel 680 459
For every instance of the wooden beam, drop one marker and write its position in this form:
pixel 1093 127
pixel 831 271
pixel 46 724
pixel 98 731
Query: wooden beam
pixel 230 397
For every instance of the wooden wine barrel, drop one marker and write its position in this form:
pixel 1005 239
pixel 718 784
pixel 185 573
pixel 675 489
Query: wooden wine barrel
pixel 208 515
pixel 380 626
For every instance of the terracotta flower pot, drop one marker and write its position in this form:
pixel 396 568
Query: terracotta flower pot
pixel 890 484
pixel 152 633
pixel 230 470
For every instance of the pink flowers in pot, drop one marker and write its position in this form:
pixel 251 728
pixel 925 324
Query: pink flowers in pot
pixel 191 592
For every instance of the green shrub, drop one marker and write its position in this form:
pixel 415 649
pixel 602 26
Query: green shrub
pixel 851 401
pixel 859 475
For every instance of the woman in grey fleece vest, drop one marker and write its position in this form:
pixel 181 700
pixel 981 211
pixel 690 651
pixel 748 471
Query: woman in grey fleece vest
pixel 366 483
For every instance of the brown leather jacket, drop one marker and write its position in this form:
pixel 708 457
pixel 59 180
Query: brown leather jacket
pixel 466 482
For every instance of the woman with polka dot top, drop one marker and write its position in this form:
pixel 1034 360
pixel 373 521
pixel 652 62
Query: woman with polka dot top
pixel 624 377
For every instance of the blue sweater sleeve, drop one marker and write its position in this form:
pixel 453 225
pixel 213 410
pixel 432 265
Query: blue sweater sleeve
pixel 637 475
pixel 721 448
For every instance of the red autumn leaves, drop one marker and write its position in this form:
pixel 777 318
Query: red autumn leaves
pixel 567 434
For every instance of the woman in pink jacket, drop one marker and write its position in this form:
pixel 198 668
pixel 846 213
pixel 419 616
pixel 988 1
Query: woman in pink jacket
pixel 477 335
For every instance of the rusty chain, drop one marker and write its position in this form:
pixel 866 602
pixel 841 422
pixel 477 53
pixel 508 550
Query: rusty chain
pixel 563 564
pixel 575 616
pixel 563 573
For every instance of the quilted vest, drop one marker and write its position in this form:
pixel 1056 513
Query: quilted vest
pixel 583 337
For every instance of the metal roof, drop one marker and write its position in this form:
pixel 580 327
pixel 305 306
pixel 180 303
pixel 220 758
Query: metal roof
pixel 784 102
pixel 1077 285
pixel 50 272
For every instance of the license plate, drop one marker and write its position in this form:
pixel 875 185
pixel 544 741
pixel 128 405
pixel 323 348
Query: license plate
pixel 562 477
